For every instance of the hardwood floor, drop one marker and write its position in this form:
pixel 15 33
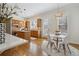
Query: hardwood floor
pixel 32 49
pixel 75 45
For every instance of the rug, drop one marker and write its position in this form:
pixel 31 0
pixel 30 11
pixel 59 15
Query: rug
pixel 54 52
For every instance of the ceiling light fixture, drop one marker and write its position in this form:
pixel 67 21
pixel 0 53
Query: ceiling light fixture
pixel 59 12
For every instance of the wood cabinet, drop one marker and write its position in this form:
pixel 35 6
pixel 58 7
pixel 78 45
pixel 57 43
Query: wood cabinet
pixel 21 23
pixel 15 23
pixel 27 25
pixel 39 23
pixel 34 33
pixel 39 26
pixel 24 34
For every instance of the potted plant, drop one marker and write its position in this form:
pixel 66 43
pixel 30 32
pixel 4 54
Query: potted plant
pixel 6 12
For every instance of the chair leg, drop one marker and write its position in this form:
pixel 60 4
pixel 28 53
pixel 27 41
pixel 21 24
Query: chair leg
pixel 59 47
pixel 51 46
pixel 48 44
pixel 54 45
pixel 68 48
pixel 64 48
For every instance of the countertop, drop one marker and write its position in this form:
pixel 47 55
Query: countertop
pixel 23 31
pixel 11 41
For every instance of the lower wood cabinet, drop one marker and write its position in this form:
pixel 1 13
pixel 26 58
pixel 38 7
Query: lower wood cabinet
pixel 34 33
pixel 23 34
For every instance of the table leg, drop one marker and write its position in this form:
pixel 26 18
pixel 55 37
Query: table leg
pixel 64 48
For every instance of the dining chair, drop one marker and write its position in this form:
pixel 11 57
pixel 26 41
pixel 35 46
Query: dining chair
pixel 51 42
pixel 61 41
pixel 64 44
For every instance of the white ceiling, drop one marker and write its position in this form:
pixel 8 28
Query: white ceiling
pixel 36 8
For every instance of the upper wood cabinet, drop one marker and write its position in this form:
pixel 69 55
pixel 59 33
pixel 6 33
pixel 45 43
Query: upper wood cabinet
pixel 27 24
pixel 15 22
pixel 18 24
pixel 39 22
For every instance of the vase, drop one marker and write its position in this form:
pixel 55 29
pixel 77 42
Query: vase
pixel 2 33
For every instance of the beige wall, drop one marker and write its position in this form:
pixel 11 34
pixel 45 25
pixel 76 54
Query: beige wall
pixel 73 23
pixel 51 20
pixel 72 13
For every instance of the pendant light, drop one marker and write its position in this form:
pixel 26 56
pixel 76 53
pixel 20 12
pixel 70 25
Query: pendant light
pixel 59 12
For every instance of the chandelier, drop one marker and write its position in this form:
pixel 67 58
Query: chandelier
pixel 59 12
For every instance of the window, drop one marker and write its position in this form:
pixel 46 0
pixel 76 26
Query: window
pixel 63 24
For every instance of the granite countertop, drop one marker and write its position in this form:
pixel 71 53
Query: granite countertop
pixel 11 41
